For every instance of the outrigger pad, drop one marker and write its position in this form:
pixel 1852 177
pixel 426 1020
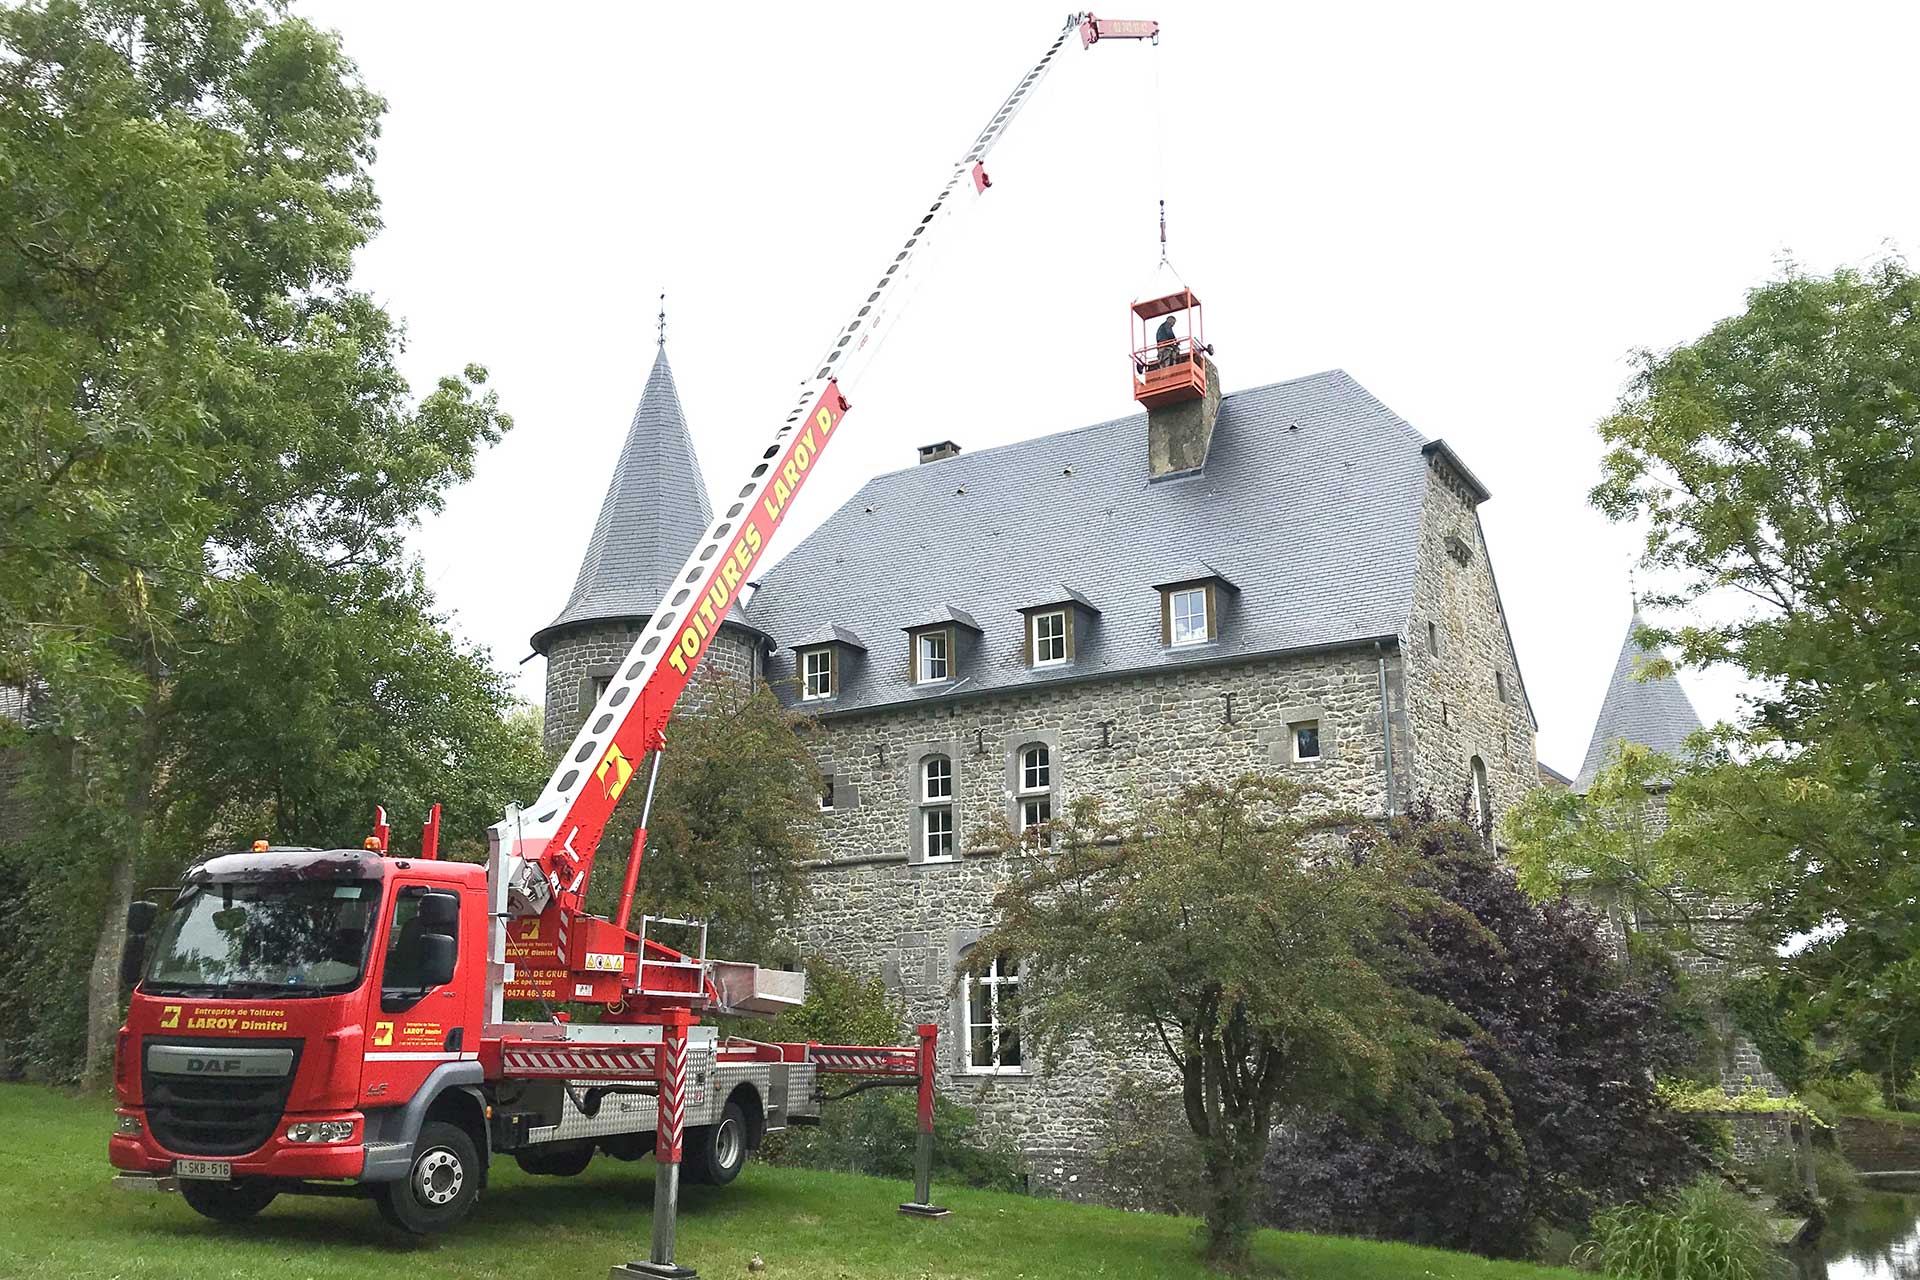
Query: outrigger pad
pixel 924 1211
pixel 651 1271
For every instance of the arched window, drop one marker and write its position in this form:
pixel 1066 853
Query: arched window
pixel 992 1013
pixel 936 809
pixel 1034 796
pixel 1480 802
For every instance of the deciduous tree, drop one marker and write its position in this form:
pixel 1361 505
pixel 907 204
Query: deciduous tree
pixel 1248 940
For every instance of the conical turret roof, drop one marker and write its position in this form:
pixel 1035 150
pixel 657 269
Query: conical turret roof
pixel 1649 713
pixel 654 514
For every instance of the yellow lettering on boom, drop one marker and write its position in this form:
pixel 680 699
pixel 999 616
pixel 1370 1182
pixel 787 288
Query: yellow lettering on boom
pixel 825 419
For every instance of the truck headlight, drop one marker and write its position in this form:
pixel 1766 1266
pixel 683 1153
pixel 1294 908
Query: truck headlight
pixel 320 1131
pixel 123 1123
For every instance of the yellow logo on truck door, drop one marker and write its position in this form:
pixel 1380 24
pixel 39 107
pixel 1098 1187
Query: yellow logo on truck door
pixel 382 1034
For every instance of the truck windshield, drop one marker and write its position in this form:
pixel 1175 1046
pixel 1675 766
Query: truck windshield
pixel 295 938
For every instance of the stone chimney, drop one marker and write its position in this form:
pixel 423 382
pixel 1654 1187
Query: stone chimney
pixel 935 452
pixel 1178 435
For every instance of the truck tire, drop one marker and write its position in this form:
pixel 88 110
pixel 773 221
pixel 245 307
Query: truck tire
pixel 715 1153
pixel 226 1201
pixel 556 1160
pixel 441 1184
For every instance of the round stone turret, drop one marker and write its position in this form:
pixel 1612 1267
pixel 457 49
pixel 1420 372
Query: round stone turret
pixel 654 512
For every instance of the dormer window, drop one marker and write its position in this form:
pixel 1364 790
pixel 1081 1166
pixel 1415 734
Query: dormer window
pixel 816 672
pixel 1187 616
pixel 932 656
pixel 1190 606
pixel 1049 638
pixel 825 661
pixel 939 648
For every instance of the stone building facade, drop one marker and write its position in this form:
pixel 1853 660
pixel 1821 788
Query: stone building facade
pixel 1287 579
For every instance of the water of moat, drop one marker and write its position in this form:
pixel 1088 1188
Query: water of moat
pixel 1877 1238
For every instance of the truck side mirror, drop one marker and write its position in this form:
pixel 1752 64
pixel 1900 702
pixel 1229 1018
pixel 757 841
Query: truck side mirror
pixel 439 912
pixel 437 952
pixel 133 957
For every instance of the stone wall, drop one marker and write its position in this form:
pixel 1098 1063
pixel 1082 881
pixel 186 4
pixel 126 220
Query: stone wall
pixel 1875 1146
pixel 1457 644
pixel 579 656
pixel 875 907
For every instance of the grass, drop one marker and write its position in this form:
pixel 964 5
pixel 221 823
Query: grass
pixel 1885 1115
pixel 63 1220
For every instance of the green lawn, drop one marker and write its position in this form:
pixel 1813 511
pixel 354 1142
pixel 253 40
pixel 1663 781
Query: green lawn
pixel 63 1220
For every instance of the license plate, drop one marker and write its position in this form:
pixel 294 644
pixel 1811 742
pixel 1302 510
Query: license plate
pixel 221 1169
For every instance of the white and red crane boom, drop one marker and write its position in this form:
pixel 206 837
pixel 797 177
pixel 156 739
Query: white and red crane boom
pixel 543 855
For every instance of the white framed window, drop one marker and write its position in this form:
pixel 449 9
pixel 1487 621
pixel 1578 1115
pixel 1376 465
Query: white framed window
pixel 936 778
pixel 931 659
pixel 936 809
pixel 1035 811
pixel 817 672
pixel 1036 768
pixel 1306 740
pixel 1187 616
pixel 1050 638
pixel 936 833
pixel 826 794
pixel 992 1011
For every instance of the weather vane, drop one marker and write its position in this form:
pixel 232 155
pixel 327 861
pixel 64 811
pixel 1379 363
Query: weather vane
pixel 663 317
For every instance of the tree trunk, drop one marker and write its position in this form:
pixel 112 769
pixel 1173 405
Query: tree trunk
pixel 1233 1158
pixel 103 978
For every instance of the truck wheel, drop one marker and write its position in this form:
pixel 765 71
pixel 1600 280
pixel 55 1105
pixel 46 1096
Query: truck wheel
pixel 440 1186
pixel 564 1160
pixel 716 1152
pixel 226 1201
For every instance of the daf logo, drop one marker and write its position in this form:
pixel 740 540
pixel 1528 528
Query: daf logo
pixel 201 1060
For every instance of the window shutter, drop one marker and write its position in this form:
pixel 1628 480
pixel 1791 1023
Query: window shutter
pixel 1213 612
pixel 1067 617
pixel 1166 617
pixel 1030 625
pixel 953 653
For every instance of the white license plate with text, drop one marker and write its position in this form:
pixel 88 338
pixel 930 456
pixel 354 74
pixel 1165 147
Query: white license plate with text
pixel 221 1169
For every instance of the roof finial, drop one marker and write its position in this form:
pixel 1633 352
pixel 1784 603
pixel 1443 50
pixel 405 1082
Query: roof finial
pixel 1633 591
pixel 663 317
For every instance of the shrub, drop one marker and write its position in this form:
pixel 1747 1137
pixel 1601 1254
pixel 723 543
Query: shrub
pixel 1844 1095
pixel 875 1132
pixel 1571 1041
pixel 1703 1232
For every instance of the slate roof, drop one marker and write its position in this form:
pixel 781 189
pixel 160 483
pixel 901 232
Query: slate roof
pixel 1309 503
pixel 653 515
pixel 1648 713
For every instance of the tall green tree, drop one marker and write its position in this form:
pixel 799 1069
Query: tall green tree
pixel 1253 944
pixel 1774 463
pixel 204 423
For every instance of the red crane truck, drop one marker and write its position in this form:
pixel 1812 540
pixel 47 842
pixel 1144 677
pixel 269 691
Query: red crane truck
pixel 332 1021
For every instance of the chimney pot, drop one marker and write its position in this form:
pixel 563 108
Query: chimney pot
pixel 935 452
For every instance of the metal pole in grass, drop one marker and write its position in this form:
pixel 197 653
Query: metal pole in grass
pixel 669 1137
pixel 922 1205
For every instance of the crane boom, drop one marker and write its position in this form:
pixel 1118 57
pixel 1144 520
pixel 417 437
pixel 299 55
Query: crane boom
pixel 542 856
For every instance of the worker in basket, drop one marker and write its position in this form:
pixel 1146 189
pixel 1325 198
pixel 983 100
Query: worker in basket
pixel 1168 343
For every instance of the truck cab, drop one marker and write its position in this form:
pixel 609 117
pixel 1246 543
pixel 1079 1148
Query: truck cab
pixel 306 1017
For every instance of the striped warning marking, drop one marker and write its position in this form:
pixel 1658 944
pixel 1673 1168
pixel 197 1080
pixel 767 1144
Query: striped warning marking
pixel 613 1063
pixel 873 1061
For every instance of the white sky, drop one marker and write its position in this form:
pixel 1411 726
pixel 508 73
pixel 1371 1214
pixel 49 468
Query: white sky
pixel 1478 211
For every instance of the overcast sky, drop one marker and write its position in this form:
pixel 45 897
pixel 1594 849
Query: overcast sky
pixel 1477 211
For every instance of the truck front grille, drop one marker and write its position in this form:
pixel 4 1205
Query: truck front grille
pixel 203 1115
